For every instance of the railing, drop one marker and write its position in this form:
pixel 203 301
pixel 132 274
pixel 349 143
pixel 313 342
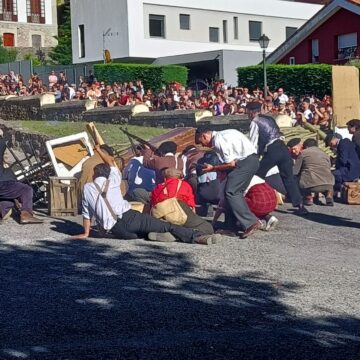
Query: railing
pixel 347 53
pixel 35 18
pixel 7 16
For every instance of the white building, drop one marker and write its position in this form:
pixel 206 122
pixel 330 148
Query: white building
pixel 28 24
pixel 208 35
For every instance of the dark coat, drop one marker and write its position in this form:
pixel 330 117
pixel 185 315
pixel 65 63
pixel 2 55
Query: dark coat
pixel 5 173
pixel 347 161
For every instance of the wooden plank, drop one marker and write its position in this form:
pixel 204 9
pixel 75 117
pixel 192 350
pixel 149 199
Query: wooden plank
pixel 346 94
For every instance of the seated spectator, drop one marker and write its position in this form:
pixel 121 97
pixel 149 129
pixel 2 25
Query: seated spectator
pixel 11 191
pixel 313 168
pixel 347 167
pixel 174 187
pixel 164 158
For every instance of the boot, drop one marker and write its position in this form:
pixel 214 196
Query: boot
pixel 203 240
pixel 308 200
pixel 28 218
pixel 329 196
pixel 161 237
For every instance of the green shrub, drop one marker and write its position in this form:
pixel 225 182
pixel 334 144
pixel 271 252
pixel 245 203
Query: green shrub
pixel 152 76
pixel 296 80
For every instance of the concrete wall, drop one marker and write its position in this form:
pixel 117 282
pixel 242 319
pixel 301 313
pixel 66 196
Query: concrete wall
pixel 97 17
pixel 130 19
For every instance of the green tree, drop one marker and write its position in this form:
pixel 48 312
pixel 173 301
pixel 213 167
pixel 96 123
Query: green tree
pixel 7 55
pixel 62 53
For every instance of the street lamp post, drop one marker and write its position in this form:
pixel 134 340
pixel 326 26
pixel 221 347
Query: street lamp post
pixel 264 43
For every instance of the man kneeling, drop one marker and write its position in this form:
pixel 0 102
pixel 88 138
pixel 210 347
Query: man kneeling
pixel 103 201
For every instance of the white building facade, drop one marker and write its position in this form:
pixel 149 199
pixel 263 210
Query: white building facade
pixel 28 24
pixel 161 30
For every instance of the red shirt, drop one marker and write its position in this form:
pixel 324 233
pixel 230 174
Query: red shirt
pixel 184 194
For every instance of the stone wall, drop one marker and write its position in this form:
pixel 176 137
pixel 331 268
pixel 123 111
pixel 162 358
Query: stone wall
pixel 18 139
pixel 44 108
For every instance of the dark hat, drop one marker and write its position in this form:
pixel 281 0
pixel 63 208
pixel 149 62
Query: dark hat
pixel 253 106
pixel 293 142
pixel 167 147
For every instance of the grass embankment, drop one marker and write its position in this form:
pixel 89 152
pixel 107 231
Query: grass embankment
pixel 111 133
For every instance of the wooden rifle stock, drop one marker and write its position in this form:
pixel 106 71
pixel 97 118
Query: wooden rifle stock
pixel 139 140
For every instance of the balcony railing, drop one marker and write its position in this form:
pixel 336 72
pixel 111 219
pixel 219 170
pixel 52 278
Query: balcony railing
pixel 35 18
pixel 8 16
pixel 348 53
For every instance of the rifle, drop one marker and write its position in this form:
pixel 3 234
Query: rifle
pixel 139 140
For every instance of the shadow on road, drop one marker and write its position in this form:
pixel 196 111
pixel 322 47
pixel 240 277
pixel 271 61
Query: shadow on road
pixel 80 299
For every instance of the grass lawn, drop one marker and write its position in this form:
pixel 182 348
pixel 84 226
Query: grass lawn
pixel 111 133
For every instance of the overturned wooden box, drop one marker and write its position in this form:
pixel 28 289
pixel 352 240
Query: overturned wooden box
pixel 62 196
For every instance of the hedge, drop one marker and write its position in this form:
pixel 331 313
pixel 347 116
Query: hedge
pixel 296 80
pixel 152 76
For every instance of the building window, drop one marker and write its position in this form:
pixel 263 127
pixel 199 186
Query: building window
pixel 81 34
pixel 225 36
pixel 292 60
pixel 236 27
pixel 314 51
pixel 157 26
pixel 347 46
pixel 35 10
pixel 255 30
pixel 8 10
pixel 290 31
pixel 36 41
pixel 184 22
pixel 8 39
pixel 214 34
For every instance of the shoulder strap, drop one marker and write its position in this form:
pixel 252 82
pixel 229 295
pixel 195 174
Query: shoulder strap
pixel 176 162
pixel 178 187
pixel 103 193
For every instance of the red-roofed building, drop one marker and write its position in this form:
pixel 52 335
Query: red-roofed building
pixel 331 36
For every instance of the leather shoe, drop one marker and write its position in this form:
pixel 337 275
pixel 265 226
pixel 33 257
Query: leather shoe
pixel 28 218
pixel 250 230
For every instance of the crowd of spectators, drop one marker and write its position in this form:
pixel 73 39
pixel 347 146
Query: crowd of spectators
pixel 219 98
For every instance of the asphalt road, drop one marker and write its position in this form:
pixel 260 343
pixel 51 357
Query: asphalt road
pixel 290 294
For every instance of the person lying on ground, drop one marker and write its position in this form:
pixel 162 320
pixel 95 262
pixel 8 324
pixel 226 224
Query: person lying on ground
pixel 175 187
pixel 103 201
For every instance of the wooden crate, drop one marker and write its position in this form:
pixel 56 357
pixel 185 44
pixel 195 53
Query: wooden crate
pixel 62 196
pixel 351 193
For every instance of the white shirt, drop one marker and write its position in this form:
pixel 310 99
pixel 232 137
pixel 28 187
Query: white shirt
pixel 283 98
pixel 232 145
pixel 94 205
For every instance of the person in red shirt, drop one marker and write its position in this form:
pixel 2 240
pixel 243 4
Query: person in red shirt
pixel 185 196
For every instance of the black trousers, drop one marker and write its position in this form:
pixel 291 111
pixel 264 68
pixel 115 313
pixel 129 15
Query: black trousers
pixel 237 181
pixel 277 154
pixel 133 225
pixel 208 193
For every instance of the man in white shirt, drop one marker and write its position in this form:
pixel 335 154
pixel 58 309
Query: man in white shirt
pixel 103 201
pixel 283 98
pixel 238 157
